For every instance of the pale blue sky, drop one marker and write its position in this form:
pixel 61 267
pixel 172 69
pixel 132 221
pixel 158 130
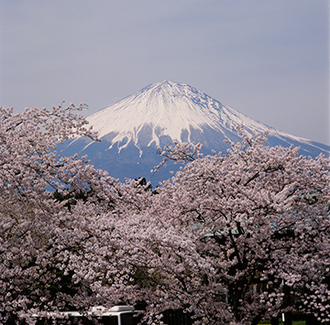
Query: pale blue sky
pixel 267 59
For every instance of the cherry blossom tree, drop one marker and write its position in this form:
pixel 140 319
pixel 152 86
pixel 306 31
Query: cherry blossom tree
pixel 232 238
pixel 242 236
pixel 50 208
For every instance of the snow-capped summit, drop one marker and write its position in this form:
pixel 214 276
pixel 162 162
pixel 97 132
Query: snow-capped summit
pixel 162 109
pixel 133 128
pixel 166 108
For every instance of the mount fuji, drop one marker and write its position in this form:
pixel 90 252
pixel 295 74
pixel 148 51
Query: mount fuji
pixel 132 129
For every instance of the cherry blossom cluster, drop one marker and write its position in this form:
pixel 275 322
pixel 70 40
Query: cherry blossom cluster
pixel 231 238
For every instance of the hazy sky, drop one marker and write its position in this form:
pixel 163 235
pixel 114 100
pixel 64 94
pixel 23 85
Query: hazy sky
pixel 267 59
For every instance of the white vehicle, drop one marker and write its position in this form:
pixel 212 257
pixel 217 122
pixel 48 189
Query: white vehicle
pixel 118 315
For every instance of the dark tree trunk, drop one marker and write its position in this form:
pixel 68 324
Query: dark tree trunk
pixel 274 321
pixel 311 320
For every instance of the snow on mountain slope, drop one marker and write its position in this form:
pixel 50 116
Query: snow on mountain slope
pixel 132 129
pixel 174 110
